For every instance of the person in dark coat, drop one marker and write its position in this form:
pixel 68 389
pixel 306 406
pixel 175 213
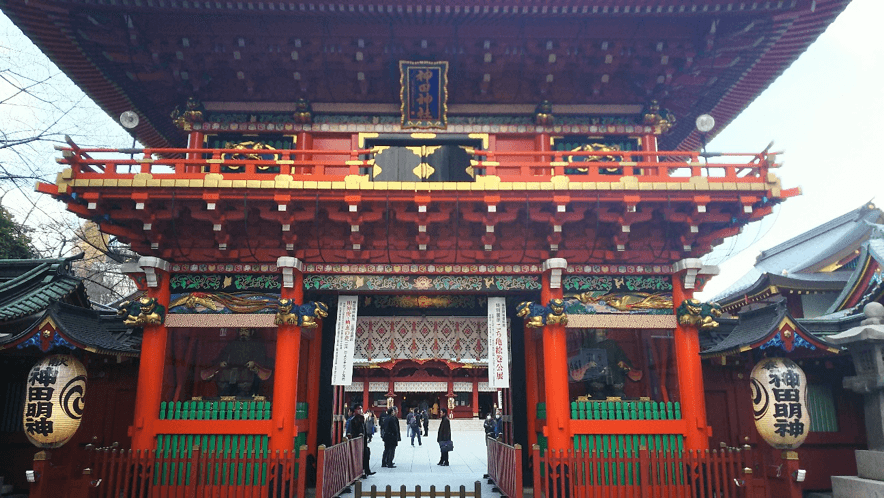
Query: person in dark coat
pixel 489 428
pixel 414 424
pixel 444 435
pixel 391 435
pixel 357 428
pixel 426 419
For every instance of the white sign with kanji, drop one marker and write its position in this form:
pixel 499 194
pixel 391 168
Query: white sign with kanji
pixel 345 341
pixel 498 354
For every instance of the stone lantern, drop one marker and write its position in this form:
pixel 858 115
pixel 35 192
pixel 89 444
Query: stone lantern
pixel 866 345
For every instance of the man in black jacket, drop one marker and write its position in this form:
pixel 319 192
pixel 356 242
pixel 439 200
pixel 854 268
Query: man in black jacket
pixel 391 435
pixel 444 436
pixel 426 419
pixel 357 428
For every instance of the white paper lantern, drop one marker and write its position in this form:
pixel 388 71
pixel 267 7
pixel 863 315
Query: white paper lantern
pixel 779 400
pixel 54 400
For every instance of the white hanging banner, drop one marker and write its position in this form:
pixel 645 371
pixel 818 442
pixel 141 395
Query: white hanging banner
pixel 498 355
pixel 345 341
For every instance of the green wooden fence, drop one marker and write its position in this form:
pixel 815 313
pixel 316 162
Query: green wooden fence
pixel 233 448
pixel 622 446
pixel 626 445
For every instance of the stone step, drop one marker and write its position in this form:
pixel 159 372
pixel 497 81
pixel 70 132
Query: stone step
pixel 870 464
pixel 856 487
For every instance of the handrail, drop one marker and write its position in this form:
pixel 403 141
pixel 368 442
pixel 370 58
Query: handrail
pixel 338 466
pixel 634 472
pixel 198 472
pixel 335 165
pixel 505 467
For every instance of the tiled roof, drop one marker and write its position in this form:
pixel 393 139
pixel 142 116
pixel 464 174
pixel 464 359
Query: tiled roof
pixel 812 282
pixel 30 286
pixel 99 332
pixel 102 331
pixel 842 234
pixel 802 256
pixel 872 251
pixel 753 327
pixel 33 290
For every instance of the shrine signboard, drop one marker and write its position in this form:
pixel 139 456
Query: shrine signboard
pixel 779 401
pixel 424 94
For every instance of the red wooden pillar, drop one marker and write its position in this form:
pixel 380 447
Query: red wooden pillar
pixel 313 382
pixel 366 397
pixel 288 354
pixel 151 275
pixel 649 144
pixel 449 400
pixel 194 141
pixel 555 360
pixel 391 392
pixel 687 357
pixel 782 475
pixel 532 395
pixel 475 396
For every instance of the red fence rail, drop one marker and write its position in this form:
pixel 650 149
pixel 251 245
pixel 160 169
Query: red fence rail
pixel 505 467
pixel 701 474
pixel 143 474
pixel 338 466
pixel 335 165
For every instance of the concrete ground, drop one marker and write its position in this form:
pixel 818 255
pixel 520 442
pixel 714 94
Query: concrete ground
pixel 416 465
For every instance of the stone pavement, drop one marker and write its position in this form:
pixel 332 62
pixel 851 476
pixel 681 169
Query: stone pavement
pixel 417 465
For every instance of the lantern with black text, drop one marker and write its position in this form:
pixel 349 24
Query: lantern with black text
pixel 779 400
pixel 54 400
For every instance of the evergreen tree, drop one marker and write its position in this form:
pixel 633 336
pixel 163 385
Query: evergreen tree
pixel 15 243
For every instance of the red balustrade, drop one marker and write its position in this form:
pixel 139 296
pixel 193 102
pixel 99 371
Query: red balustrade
pixel 338 466
pixel 335 165
pixel 720 473
pixel 142 474
pixel 505 467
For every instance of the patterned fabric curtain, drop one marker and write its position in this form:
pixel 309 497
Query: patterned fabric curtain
pixel 422 338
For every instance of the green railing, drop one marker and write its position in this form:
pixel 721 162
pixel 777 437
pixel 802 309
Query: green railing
pixel 623 446
pixel 627 444
pixel 238 451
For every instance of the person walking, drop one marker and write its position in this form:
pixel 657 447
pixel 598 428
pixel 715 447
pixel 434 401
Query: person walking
pixel 391 435
pixel 444 438
pixel 414 424
pixel 371 424
pixel 489 428
pixel 426 420
pixel 356 429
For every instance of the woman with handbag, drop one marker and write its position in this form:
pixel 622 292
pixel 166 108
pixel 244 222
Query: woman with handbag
pixel 444 438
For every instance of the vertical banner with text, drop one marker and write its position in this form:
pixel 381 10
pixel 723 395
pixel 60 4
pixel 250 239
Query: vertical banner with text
pixel 498 353
pixel 345 341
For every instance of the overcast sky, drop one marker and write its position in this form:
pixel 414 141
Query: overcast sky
pixel 821 112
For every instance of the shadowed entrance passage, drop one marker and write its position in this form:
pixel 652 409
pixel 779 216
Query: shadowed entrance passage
pixel 417 465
